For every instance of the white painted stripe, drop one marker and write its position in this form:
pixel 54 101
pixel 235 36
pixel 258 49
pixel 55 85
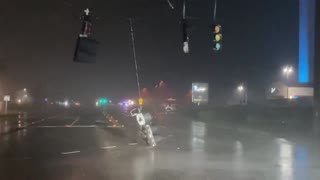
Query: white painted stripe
pixel 71 152
pixel 108 147
pixel 132 144
pixel 68 126
pixel 100 121
pixel 75 121
pixel 90 126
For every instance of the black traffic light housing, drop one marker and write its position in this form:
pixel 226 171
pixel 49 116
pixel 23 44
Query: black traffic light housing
pixel 86 50
pixel 86 45
pixel 185 36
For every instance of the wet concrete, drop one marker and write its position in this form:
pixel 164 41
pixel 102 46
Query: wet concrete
pixel 84 145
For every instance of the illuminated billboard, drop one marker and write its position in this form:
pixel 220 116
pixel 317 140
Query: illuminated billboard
pixel 200 93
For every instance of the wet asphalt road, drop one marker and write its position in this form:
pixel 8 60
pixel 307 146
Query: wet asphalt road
pixel 90 144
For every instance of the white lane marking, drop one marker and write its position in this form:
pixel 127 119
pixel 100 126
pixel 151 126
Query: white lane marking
pixel 119 126
pixel 100 121
pixel 71 152
pixel 132 144
pixel 75 121
pixel 90 126
pixel 109 147
pixel 68 126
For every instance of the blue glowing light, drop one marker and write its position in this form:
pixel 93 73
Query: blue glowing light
pixel 306 39
pixel 303 42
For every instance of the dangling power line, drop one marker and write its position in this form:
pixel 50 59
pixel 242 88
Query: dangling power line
pixel 134 56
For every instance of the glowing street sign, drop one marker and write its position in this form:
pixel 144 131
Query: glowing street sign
pixel 6 98
pixel 200 94
pixel 199 89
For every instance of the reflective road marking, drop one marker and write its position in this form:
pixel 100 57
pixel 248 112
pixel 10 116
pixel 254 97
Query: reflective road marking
pixel 71 152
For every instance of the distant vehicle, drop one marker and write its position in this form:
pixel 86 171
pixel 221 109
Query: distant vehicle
pixel 170 108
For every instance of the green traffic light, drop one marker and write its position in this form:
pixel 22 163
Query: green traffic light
pixel 103 101
pixel 218 46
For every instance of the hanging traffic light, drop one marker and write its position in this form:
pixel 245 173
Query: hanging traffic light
pixel 185 36
pixel 217 32
pixel 103 101
pixel 86 46
pixel 86 50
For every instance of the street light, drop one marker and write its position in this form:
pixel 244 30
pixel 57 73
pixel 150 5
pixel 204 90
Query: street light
pixel 287 71
pixel 240 88
pixel 24 89
pixel 243 90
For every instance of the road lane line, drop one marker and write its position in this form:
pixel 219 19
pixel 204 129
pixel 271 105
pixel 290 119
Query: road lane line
pixel 71 152
pixel 90 126
pixel 75 121
pixel 132 144
pixel 109 147
pixel 100 121
pixel 77 126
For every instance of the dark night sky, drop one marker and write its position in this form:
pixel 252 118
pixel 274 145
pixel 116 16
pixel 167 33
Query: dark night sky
pixel 38 38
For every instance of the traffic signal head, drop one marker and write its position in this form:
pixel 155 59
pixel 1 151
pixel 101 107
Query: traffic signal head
pixel 103 101
pixel 185 36
pixel 140 101
pixel 217 37
pixel 86 50
pixel 86 46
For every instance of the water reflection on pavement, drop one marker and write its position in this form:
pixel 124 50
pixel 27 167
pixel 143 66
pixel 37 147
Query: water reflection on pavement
pixel 272 158
pixel 188 150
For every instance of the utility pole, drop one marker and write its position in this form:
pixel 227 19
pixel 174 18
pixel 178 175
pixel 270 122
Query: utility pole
pixel 135 57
